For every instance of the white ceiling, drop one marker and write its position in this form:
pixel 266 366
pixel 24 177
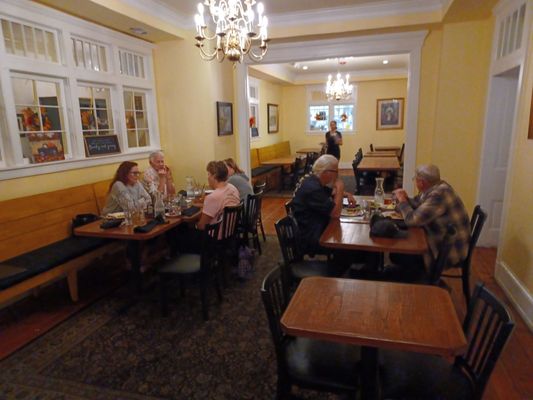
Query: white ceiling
pixel 350 64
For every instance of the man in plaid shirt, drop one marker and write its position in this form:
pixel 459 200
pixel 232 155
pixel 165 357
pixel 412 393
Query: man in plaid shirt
pixel 436 206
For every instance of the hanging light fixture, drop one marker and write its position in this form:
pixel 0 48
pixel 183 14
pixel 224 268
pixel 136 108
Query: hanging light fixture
pixel 339 89
pixel 235 32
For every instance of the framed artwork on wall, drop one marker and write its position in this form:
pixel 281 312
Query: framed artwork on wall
pixel 224 118
pixel 389 114
pixel 530 132
pixel 273 118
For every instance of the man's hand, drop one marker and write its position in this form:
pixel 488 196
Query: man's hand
pixel 401 195
pixel 351 199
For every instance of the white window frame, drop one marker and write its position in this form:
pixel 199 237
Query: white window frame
pixel 322 88
pixel 12 164
pixel 254 102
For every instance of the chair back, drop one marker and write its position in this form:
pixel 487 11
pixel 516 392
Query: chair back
pixel 289 209
pixel 440 261
pixel 230 221
pixel 371 147
pixel 275 298
pixel 487 327
pixel 209 241
pixel 251 212
pixel 309 161
pixel 476 224
pixel 289 239
pixel 355 163
pixel 259 188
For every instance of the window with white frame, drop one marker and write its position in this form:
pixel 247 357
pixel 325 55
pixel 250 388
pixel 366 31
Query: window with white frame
pixel 321 111
pixel 95 110
pixel 40 116
pixel 136 118
pixel 62 89
pixel 253 100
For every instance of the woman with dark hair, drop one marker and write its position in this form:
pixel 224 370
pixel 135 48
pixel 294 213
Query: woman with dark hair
pixel 125 187
pixel 238 178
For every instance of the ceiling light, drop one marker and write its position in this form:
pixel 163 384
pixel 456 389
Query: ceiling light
pixel 234 30
pixel 339 89
pixel 138 31
pixel 305 67
pixel 385 61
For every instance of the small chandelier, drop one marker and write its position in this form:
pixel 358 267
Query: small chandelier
pixel 235 31
pixel 339 89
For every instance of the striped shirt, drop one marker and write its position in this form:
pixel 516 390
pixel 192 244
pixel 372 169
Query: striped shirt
pixel 433 210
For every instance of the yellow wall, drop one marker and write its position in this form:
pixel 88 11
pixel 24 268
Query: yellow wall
pixel 295 121
pixel 517 243
pixel 269 93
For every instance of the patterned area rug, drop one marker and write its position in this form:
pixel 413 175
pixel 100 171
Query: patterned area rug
pixel 106 353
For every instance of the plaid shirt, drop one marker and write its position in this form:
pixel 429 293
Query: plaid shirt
pixel 433 210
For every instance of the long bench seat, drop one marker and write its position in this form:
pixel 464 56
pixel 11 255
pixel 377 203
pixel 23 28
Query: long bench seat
pixel 270 174
pixel 36 244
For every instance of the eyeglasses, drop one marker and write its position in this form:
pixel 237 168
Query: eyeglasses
pixel 136 173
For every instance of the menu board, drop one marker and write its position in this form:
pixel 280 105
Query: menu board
pixel 101 145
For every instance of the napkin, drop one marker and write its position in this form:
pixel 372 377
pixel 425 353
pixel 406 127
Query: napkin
pixel 112 223
pixel 190 211
pixel 150 225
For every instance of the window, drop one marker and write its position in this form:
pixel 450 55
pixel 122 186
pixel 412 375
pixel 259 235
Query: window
pixel 253 100
pixel 321 112
pixel 131 64
pixel 95 111
pixel 40 117
pixel 136 118
pixel 29 41
pixel 89 55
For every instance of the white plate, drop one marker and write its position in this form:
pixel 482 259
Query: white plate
pixel 115 215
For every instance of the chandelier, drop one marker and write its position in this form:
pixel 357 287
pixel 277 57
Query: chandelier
pixel 338 89
pixel 235 33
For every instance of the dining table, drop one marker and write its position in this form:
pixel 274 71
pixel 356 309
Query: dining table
pixel 384 164
pixel 133 239
pixel 388 148
pixel 375 315
pixel 381 154
pixel 307 150
pixel 281 161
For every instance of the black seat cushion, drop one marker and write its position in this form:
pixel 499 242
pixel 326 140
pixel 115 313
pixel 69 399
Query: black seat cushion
pixel 263 170
pixel 318 363
pixel 406 375
pixel 29 264
pixel 306 268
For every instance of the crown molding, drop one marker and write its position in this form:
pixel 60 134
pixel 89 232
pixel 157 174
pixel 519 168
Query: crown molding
pixel 385 8
pixel 354 75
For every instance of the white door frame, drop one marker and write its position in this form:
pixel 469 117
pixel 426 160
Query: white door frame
pixel 409 43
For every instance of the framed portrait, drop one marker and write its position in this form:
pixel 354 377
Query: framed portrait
pixel 224 118
pixel 273 118
pixel 389 113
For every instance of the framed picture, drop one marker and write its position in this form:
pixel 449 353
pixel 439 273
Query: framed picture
pixel 389 113
pixel 224 118
pixel 273 118
pixel 530 132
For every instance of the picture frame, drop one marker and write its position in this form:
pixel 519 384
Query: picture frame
pixel 389 113
pixel 273 118
pixel 224 118
pixel 530 131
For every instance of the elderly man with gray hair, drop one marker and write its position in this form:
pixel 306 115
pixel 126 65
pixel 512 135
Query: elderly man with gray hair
pixel 433 208
pixel 317 199
pixel 158 177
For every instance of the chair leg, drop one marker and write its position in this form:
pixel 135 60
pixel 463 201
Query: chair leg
pixel 465 277
pixel 257 243
pixel 260 222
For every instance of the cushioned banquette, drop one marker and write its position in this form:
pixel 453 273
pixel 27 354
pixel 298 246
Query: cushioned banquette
pixel 36 241
pixel 268 173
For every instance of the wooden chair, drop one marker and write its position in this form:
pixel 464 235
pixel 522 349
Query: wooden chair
pixel 307 363
pixel 227 243
pixel 476 224
pixel 259 190
pixel 249 221
pixel 487 327
pixel 202 265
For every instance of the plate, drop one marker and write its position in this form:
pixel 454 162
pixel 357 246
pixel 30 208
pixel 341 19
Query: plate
pixel 351 212
pixel 393 214
pixel 115 215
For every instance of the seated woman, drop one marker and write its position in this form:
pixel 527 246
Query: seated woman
pixel 238 178
pixel 125 187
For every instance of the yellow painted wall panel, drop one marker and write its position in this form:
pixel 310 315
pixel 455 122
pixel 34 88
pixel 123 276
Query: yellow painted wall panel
pixel 269 93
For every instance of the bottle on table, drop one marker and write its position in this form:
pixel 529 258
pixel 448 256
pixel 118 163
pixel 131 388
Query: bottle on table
pixel 159 206
pixel 379 193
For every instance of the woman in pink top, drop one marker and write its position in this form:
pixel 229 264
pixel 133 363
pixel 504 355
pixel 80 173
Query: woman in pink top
pixel 225 194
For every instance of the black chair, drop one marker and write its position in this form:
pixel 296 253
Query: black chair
pixel 259 189
pixel 202 265
pixel 309 161
pixel 487 327
pixel 307 363
pixel 371 147
pixel 228 241
pixel 294 266
pixel 249 221
pixel 289 209
pixel 476 224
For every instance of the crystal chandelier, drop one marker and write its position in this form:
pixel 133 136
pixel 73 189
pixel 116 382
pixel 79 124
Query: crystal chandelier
pixel 235 31
pixel 338 89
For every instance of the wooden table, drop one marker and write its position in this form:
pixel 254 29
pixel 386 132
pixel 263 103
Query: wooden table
pixel 356 236
pixel 281 161
pixel 133 239
pixel 375 315
pixel 388 148
pixel 381 154
pixel 307 150
pixel 379 164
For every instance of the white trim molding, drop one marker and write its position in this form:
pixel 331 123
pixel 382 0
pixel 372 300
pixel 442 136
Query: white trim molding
pixel 516 292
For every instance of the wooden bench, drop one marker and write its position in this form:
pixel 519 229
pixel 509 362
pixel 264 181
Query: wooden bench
pixel 36 242
pixel 268 173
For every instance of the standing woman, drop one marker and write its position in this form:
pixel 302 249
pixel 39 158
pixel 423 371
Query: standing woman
pixel 238 178
pixel 334 140
pixel 125 185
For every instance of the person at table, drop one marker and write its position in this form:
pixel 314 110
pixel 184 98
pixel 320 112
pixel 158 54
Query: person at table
pixel 433 208
pixel 238 178
pixel 317 199
pixel 125 187
pixel 334 140
pixel 158 176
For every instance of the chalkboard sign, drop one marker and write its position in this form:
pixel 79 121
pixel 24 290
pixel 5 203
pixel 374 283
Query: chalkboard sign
pixel 100 145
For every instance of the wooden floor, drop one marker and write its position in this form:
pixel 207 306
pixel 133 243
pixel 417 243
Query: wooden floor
pixel 512 378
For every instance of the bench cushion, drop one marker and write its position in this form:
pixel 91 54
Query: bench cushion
pixel 26 265
pixel 263 170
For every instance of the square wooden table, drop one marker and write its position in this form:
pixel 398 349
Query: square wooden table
pixel 381 154
pixel 374 315
pixel 388 148
pixel 307 150
pixel 281 161
pixel 379 164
